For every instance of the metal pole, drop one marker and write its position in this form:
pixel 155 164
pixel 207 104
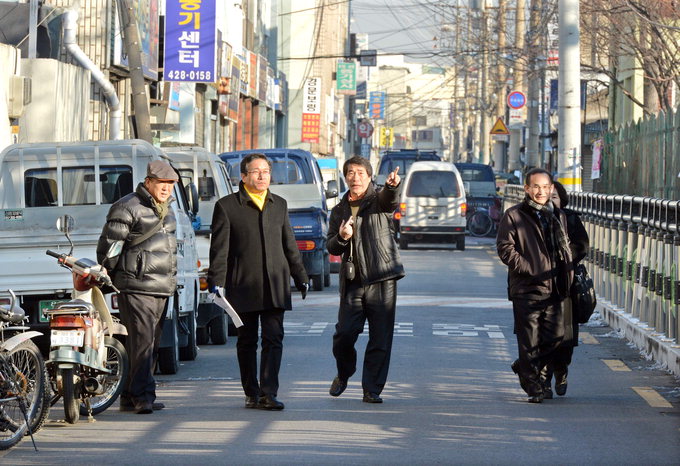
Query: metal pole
pixel 532 155
pixel 569 90
pixel 33 29
pixel 518 84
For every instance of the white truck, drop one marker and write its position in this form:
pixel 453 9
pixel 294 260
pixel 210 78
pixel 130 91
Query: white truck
pixel 41 182
pixel 209 173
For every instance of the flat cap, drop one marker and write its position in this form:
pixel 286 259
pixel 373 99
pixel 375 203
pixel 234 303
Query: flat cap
pixel 161 170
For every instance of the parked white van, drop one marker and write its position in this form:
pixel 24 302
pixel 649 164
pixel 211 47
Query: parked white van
pixel 207 171
pixel 41 182
pixel 432 207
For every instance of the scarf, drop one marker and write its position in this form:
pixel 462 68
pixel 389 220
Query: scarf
pixel 258 199
pixel 161 208
pixel 559 242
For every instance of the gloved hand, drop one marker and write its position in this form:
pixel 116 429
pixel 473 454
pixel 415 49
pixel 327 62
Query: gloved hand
pixel 212 289
pixel 303 288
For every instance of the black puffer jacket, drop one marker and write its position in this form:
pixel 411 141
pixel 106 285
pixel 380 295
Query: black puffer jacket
pixel 376 257
pixel 148 268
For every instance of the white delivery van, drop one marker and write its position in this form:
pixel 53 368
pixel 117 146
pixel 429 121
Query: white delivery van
pixel 432 206
pixel 209 173
pixel 41 182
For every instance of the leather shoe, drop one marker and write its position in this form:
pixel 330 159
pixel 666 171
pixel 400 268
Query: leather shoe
pixel 337 387
pixel 522 383
pixel 535 398
pixel 372 398
pixel 561 383
pixel 126 407
pixel 270 403
pixel 251 402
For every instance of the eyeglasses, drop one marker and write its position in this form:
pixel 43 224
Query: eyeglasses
pixel 266 172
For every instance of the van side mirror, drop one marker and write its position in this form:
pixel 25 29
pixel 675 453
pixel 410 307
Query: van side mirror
pixel 206 187
pixel 332 189
pixel 192 197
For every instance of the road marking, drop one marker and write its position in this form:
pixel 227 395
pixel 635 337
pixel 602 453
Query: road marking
pixel 588 339
pixel 652 397
pixel 466 330
pixel 616 365
pixel 401 329
pixel 412 300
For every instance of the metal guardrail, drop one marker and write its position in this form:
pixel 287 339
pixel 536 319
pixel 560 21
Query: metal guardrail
pixel 634 252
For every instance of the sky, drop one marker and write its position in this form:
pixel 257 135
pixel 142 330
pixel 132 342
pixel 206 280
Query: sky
pixel 409 27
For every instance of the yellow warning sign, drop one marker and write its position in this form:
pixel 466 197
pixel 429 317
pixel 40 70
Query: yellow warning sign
pixel 499 127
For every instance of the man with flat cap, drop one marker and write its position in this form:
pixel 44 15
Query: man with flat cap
pixel 138 246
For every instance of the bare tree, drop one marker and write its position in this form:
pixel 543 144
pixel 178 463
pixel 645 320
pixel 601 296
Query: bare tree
pixel 635 35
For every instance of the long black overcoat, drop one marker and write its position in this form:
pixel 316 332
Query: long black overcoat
pixel 253 253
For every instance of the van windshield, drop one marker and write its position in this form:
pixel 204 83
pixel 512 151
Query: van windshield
pixel 78 185
pixel 433 184
pixel 286 169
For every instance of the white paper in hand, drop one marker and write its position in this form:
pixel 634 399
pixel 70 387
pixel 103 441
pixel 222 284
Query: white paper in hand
pixel 221 301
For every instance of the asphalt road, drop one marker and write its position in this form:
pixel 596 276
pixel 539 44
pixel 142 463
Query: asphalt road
pixel 451 397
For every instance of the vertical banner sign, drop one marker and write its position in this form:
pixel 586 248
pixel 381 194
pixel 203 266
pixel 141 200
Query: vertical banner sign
pixel 235 84
pixel 190 41
pixel 346 76
pixel 311 110
pixel 252 74
pixel 376 105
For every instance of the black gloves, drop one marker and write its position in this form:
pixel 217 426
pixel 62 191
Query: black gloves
pixel 302 288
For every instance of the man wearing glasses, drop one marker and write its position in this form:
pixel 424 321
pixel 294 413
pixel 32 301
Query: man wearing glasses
pixel 253 254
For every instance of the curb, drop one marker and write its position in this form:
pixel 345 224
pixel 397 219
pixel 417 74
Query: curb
pixel 663 350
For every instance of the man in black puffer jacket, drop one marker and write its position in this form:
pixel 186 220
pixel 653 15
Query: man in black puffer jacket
pixel 138 246
pixel 360 229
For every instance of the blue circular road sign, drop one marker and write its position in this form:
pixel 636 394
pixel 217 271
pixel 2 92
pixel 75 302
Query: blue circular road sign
pixel 516 100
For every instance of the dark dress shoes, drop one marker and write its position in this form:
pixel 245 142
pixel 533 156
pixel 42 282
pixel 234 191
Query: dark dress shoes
pixel 535 398
pixel 337 387
pixel 251 402
pixel 561 383
pixel 372 398
pixel 142 408
pixel 270 403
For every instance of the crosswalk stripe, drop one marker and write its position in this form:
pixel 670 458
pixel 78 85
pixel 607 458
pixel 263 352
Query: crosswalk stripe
pixel 616 365
pixel 652 397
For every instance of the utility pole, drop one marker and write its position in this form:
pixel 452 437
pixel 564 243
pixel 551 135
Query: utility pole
pixel 533 139
pixel 518 83
pixel 569 90
pixel 133 48
pixel 500 87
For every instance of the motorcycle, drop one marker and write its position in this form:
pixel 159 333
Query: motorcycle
pixel 24 403
pixel 87 364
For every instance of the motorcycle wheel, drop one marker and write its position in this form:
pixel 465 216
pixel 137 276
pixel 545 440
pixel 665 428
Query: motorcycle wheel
pixel 71 397
pixel 23 372
pixel 113 383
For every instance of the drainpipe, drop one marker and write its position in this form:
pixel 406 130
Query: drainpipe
pixel 70 26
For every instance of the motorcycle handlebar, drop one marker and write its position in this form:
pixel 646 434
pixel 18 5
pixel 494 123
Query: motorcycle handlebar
pixel 83 267
pixel 53 254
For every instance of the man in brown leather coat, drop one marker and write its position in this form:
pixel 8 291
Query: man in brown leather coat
pixel 533 243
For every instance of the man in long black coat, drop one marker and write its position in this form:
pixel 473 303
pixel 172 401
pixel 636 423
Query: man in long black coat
pixel 253 254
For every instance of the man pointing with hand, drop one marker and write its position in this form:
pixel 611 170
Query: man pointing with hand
pixel 361 231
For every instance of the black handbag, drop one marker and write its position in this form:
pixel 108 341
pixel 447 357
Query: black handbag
pixel 583 297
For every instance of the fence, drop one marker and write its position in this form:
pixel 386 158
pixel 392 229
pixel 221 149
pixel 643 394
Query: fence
pixel 643 158
pixel 634 252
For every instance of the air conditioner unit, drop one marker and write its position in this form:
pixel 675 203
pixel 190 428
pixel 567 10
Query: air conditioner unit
pixel 19 95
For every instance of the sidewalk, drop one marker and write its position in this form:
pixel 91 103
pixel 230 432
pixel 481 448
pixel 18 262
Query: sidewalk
pixel 656 346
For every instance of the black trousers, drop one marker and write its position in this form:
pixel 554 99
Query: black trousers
pixel 270 357
pixel 143 317
pixel 539 329
pixel 375 303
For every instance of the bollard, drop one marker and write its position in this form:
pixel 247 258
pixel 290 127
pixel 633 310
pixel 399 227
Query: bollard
pixel 622 250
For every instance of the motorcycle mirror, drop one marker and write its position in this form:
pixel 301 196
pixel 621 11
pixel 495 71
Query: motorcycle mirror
pixel 65 224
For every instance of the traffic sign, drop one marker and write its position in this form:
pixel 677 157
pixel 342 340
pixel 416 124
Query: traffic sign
pixel 499 127
pixel 516 99
pixel 364 129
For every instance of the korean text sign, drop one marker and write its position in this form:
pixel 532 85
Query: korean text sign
pixel 190 41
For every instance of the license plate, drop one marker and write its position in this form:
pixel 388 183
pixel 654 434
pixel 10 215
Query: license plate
pixel 67 337
pixel 203 298
pixel 48 304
